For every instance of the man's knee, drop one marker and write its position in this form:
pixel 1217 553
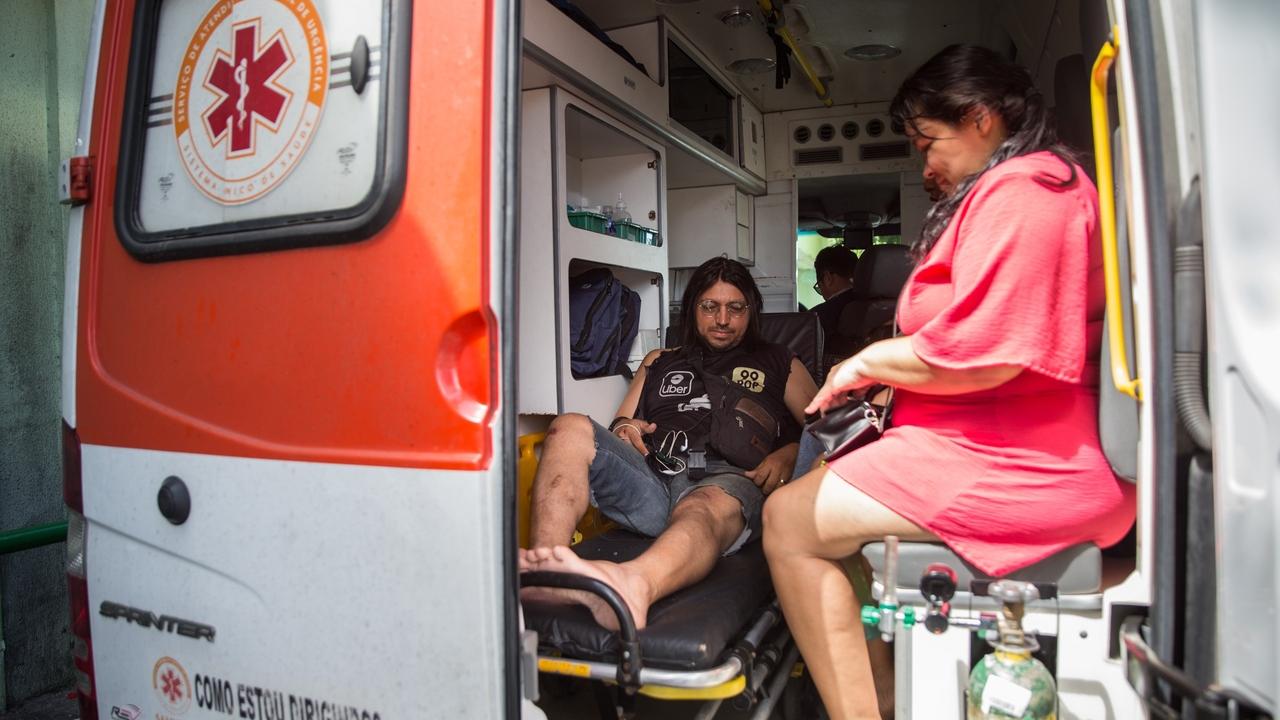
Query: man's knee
pixel 570 431
pixel 714 506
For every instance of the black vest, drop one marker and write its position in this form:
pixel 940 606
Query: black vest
pixel 674 398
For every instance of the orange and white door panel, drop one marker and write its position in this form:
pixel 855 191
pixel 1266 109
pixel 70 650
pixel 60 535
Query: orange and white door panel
pixel 285 383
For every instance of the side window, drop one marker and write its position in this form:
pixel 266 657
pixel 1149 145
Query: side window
pixel 256 125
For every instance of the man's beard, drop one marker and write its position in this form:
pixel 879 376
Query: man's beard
pixel 706 343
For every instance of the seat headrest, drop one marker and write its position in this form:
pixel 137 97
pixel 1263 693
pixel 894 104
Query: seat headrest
pixel 882 271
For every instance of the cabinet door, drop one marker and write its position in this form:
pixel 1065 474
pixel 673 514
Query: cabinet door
pixel 702 222
pixel 746 246
pixel 751 137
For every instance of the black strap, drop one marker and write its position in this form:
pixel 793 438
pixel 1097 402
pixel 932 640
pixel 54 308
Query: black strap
pixel 782 69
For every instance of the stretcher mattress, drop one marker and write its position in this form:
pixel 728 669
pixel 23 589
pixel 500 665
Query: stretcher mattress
pixel 689 630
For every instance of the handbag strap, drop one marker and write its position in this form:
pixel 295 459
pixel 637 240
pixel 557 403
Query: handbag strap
pixel 715 386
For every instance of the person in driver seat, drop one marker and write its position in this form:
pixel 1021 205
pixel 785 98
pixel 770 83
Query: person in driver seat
pixel 705 432
pixel 834 267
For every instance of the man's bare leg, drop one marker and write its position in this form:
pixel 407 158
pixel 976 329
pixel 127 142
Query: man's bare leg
pixel 703 525
pixel 560 487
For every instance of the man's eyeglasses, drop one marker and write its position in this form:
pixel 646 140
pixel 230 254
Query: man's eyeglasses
pixel 711 308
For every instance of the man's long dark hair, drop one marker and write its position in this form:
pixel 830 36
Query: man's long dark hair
pixel 708 274
pixel 951 85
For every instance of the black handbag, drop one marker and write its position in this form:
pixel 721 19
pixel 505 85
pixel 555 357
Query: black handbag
pixel 852 425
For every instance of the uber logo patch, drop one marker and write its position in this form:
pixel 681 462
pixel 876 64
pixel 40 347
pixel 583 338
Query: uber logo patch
pixel 749 378
pixel 677 383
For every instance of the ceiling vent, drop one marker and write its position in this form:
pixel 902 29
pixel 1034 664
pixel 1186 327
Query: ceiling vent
pixel 883 151
pixel 802 134
pixel 826 132
pixel 820 156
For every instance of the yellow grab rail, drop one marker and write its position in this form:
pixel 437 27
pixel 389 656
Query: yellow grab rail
pixel 820 88
pixel 1107 208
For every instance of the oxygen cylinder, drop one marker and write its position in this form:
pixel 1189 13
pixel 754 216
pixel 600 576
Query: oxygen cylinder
pixel 1009 683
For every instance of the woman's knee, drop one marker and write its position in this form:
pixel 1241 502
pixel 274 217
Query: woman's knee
pixel 782 520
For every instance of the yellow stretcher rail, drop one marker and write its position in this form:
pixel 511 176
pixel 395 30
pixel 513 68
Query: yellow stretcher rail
pixel 1124 382
pixel 727 689
pixel 819 87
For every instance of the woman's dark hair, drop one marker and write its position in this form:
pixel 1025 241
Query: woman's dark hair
pixel 709 273
pixel 950 86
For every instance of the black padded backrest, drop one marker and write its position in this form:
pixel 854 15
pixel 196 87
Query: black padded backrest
pixel 801 332
pixel 882 271
pixel 1071 108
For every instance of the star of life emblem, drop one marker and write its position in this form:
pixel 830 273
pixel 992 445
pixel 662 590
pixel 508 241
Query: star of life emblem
pixel 172 685
pixel 251 89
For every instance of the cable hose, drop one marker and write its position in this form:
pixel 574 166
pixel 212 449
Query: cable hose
pixel 1190 399
pixel 1189 320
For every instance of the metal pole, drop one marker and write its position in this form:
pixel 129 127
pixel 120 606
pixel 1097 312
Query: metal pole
pixel 776 687
pixel 32 537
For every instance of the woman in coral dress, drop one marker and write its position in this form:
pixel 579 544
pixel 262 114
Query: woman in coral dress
pixel 994 448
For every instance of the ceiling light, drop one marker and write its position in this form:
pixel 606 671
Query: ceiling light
pixel 874 51
pixel 736 18
pixel 752 66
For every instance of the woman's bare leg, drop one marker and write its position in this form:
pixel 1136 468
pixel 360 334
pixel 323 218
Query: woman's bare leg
pixel 810 524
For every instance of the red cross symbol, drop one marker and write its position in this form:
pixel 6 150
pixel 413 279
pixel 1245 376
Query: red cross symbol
pixel 245 84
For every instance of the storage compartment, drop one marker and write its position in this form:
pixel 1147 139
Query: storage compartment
pixel 710 221
pixel 698 98
pixel 554 43
pixel 611 180
pixel 644 42
pixel 574 156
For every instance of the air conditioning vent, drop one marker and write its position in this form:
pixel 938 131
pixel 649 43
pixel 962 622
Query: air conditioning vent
pixel 883 151
pixel 826 132
pixel 849 130
pixel 875 127
pixel 820 156
pixel 897 126
pixel 802 134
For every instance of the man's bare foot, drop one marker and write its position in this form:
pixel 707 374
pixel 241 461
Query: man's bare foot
pixel 633 588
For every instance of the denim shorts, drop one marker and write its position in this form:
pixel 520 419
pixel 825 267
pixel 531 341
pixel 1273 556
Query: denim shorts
pixel 626 490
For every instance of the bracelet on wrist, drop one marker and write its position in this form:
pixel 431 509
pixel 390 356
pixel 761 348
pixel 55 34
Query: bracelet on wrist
pixel 620 420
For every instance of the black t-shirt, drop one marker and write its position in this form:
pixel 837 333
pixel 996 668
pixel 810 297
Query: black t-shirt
pixel 674 397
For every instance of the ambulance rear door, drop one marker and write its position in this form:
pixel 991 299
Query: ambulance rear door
pixel 287 376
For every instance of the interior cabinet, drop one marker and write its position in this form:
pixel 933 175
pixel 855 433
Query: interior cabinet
pixel 751 137
pixel 710 221
pixel 575 161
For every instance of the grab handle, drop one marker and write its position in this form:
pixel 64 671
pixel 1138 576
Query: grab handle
pixel 1126 384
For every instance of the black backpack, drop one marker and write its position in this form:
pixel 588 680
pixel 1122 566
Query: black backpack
pixel 604 319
